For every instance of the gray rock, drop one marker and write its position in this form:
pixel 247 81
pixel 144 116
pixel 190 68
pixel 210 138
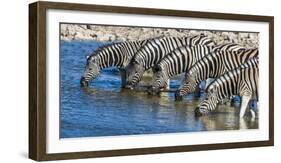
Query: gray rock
pixel 114 33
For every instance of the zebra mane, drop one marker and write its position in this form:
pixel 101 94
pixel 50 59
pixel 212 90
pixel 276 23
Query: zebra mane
pixel 158 37
pixel 171 53
pixel 95 52
pixel 144 42
pixel 104 46
pixel 101 48
pixel 193 36
pixel 161 37
pixel 253 62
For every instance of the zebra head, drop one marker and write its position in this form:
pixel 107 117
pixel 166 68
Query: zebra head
pixel 91 71
pixel 160 80
pixel 134 71
pixel 188 86
pixel 209 103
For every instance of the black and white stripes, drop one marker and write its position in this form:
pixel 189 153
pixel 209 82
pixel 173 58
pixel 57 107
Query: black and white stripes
pixel 114 55
pixel 233 67
pixel 241 81
pixel 177 62
pixel 156 49
pixel 212 66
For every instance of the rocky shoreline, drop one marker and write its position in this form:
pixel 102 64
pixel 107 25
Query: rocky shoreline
pixel 114 33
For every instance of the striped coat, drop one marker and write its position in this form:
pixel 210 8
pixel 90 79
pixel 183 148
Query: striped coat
pixel 242 81
pixel 112 55
pixel 155 50
pixel 212 66
pixel 181 59
pixel 177 62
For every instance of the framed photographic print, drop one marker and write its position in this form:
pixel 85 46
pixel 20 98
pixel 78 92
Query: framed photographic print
pixel 112 81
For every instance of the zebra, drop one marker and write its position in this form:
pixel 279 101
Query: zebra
pixel 150 54
pixel 212 66
pixel 116 54
pixel 177 62
pixel 242 81
pixel 229 47
pixel 181 60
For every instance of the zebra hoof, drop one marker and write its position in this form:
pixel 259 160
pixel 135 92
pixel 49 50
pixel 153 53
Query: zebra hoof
pixel 178 98
pixel 128 86
pixel 200 112
pixel 151 92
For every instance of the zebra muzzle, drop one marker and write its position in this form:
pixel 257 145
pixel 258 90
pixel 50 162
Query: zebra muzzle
pixel 152 91
pixel 200 112
pixel 156 90
pixel 129 86
pixel 83 82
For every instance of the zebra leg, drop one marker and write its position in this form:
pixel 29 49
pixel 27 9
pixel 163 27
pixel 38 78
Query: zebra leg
pixel 253 114
pixel 244 104
pixel 168 84
pixel 253 107
pixel 235 100
pixel 123 77
pixel 208 81
pixel 242 124
pixel 197 91
pixel 202 86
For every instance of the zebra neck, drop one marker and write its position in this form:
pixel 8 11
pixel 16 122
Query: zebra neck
pixel 168 73
pixel 171 73
pixel 209 69
pixel 203 73
pixel 225 92
pixel 141 60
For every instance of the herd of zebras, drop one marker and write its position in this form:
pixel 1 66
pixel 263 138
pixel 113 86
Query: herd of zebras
pixel 232 67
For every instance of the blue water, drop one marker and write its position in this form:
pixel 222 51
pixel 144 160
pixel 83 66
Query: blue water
pixel 104 109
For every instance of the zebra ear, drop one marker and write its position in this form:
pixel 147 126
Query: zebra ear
pixel 88 56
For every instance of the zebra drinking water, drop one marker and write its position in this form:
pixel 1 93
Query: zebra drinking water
pixel 177 62
pixel 212 66
pixel 242 81
pixel 112 55
pixel 150 54
pixel 182 59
